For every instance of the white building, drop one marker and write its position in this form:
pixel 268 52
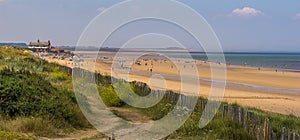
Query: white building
pixel 40 46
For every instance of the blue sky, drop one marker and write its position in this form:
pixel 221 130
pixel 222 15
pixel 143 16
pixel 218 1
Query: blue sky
pixel 241 25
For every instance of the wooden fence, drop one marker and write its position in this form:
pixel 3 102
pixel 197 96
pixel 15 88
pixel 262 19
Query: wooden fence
pixel 255 124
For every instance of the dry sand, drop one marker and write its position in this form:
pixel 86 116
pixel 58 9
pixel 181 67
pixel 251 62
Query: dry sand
pixel 276 101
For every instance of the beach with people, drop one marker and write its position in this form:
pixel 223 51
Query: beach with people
pixel 268 89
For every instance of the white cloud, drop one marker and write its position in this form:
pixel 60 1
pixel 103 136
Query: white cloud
pixel 297 17
pixel 101 9
pixel 246 12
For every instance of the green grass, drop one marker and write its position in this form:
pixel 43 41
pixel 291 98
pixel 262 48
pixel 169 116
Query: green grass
pixel 33 98
pixel 278 121
pixel 109 96
pixel 14 135
pixel 58 76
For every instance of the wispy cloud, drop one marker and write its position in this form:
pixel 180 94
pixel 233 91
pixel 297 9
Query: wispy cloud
pixel 101 9
pixel 246 12
pixel 296 17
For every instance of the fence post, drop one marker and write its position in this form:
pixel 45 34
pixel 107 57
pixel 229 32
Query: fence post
pixel 113 136
pixel 265 129
pixel 232 112
pixel 241 116
pixel 294 136
pixel 269 129
pixel 203 105
pixel 289 135
pixel 223 112
pixel 273 136
pixel 246 123
pixel 283 133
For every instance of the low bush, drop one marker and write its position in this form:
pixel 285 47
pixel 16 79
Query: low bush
pixel 25 94
pixel 109 96
pixel 14 135
pixel 58 76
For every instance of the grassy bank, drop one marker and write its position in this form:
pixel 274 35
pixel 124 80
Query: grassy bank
pixel 35 97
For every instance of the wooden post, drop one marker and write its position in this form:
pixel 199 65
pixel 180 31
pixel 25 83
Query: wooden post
pixel 283 134
pixel 246 121
pixel 294 136
pixel 180 100
pixel 252 121
pixel 269 129
pixel 241 116
pixel 274 136
pixel 223 111
pixel 113 136
pixel 203 105
pixel 265 129
pixel 288 135
pixel 232 112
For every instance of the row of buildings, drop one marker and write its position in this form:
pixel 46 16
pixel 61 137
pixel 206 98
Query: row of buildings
pixel 44 47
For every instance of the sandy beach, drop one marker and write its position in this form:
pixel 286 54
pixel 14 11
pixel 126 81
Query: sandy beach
pixel 267 89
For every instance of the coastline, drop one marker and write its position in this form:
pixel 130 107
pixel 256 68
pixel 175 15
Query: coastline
pixel 276 102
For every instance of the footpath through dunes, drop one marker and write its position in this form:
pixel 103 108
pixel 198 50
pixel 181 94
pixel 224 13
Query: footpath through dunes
pixel 93 134
pixel 265 89
pixel 89 134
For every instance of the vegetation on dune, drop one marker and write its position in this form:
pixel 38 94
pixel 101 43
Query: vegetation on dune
pixel 14 135
pixel 278 121
pixel 58 76
pixel 31 100
pixel 25 94
pixel 109 97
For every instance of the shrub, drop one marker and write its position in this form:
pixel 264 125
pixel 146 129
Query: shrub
pixel 23 94
pixel 109 96
pixel 59 76
pixel 13 135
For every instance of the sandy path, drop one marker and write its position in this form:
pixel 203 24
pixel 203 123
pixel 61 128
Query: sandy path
pixel 93 134
pixel 90 134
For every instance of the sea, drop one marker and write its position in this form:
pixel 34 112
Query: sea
pixel 286 61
